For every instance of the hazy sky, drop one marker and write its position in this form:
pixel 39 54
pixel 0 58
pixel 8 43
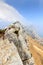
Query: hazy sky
pixel 32 10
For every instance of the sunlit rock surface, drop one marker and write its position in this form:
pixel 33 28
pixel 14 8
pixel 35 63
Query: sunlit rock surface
pixel 9 54
pixel 16 34
pixel 17 47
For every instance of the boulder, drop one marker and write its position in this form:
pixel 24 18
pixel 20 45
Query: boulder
pixel 16 34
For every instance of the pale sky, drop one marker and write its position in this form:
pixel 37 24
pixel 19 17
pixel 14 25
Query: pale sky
pixel 31 10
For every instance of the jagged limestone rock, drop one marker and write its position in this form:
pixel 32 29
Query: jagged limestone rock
pixel 8 53
pixel 16 34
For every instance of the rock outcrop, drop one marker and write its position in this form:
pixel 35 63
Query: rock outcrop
pixel 16 34
pixel 15 47
pixel 9 53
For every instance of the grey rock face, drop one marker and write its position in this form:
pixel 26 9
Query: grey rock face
pixel 8 53
pixel 16 34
